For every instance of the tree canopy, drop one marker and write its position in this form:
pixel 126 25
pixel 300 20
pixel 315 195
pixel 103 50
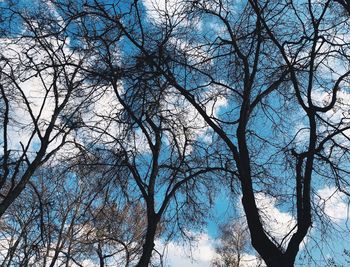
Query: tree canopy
pixel 123 123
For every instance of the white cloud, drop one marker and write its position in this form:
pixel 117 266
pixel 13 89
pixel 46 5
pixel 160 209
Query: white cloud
pixel 340 111
pixel 188 116
pixel 334 203
pixel 277 223
pixel 249 260
pixel 202 253
pixel 20 60
pixel 163 11
pixel 87 263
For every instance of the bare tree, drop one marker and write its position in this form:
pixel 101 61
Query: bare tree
pixel 38 85
pixel 233 241
pixel 256 91
pixel 65 219
pixel 234 245
pixel 271 69
pixel 146 131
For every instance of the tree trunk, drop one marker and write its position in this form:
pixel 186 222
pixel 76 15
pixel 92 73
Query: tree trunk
pixel 280 262
pixel 100 255
pixel 148 246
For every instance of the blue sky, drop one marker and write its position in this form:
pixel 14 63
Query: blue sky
pixel 336 205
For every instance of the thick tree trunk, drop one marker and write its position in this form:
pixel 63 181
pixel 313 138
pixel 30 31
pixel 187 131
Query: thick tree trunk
pixel 280 262
pixel 148 245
